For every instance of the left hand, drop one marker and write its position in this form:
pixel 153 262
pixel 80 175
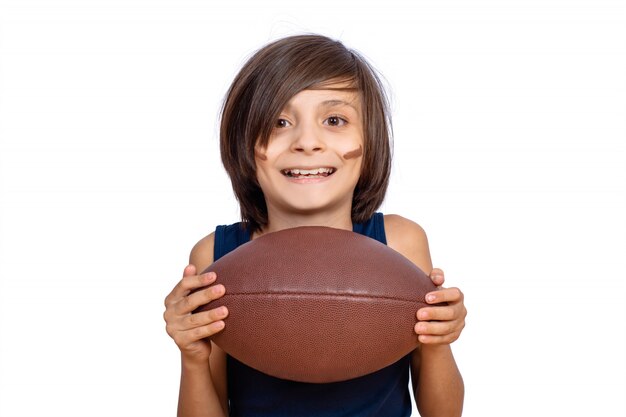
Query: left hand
pixel 441 324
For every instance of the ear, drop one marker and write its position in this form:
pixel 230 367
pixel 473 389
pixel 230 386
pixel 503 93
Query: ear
pixel 259 152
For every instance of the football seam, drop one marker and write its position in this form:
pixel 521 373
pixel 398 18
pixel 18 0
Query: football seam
pixel 326 295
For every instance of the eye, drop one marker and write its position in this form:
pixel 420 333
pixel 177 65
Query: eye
pixel 335 121
pixel 280 123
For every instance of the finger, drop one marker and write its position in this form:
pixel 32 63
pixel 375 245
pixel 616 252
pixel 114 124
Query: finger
pixel 437 277
pixel 193 301
pixel 427 339
pixel 437 328
pixel 189 283
pixel 444 295
pixel 441 313
pixel 187 337
pixel 192 282
pixel 204 318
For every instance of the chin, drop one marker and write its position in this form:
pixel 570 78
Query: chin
pixel 316 206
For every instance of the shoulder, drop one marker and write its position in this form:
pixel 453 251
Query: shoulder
pixel 409 239
pixel 202 253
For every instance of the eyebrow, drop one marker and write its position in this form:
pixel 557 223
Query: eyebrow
pixel 333 103
pixel 330 103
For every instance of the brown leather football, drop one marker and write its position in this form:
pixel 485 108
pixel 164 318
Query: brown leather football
pixel 318 304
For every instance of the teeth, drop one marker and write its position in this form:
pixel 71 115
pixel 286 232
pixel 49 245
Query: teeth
pixel 315 171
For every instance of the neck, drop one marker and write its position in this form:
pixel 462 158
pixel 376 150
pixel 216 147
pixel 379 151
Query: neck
pixel 277 220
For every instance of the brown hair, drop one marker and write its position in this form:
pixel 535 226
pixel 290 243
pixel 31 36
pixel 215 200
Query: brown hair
pixel 261 89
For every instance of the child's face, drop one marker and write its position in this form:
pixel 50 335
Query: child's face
pixel 312 162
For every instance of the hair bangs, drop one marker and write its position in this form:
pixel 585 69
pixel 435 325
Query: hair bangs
pixel 306 65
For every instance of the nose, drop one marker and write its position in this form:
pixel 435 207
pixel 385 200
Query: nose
pixel 308 140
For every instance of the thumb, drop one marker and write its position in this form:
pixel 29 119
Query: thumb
pixel 189 270
pixel 437 276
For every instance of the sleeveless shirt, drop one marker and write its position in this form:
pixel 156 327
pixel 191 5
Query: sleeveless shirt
pixel 252 393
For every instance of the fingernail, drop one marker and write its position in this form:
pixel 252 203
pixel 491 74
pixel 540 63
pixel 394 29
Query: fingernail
pixel 430 298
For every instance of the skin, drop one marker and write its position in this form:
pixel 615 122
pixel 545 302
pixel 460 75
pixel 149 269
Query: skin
pixel 318 128
pixel 354 154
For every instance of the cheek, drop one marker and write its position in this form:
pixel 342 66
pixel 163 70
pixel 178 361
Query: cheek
pixel 352 146
pixel 354 153
pixel 262 172
pixel 274 148
pixel 261 163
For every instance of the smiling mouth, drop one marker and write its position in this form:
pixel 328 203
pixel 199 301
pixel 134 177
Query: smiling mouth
pixel 308 173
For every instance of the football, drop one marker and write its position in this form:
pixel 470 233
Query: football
pixel 318 304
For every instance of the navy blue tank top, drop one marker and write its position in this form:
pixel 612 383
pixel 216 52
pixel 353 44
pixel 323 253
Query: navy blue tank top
pixel 254 394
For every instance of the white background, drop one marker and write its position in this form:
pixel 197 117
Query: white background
pixel 510 145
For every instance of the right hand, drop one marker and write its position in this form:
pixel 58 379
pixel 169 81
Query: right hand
pixel 191 330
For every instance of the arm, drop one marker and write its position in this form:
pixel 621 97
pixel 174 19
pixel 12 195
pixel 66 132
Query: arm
pixel 437 382
pixel 203 364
